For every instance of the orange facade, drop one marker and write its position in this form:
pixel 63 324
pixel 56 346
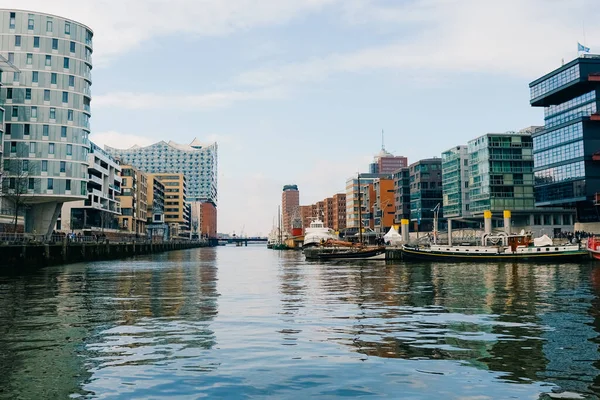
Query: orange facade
pixel 384 204
pixel 209 220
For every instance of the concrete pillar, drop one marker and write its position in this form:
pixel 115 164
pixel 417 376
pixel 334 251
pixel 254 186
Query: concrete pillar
pixel 507 216
pixel 404 230
pixel 487 221
pixel 41 218
pixel 449 232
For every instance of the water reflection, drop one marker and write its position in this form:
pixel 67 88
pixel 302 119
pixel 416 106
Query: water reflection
pixel 241 322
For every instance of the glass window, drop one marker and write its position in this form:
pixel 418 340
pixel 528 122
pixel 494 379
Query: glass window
pixel 46 95
pixel 31 147
pixel 17 40
pixel 16 76
pixel 34 76
pixel 28 94
pixel 15 112
pixel 68 183
pixel 50 148
pixel 69 149
pixel 9 93
pixel 67 28
pixel 65 97
pixel 13 147
pixel 26 129
pixel 72 80
pixel 52 113
pixel 53 78
pixel 31 184
pixel 36 42
pixel 48 61
pixel 72 47
pixel 11 21
pixel 25 165
pixel 45 130
pixel 34 112
pixel 44 165
pixel 30 22
pixel 29 59
pixel 50 184
pixel 63 166
pixel 70 115
pixel 11 58
pixel 63 131
pixel 66 63
pixel 54 44
pixel 554 82
pixel 49 26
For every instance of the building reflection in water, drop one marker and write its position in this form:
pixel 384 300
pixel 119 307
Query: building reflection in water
pixel 292 289
pixel 525 322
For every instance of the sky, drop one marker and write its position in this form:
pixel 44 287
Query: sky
pixel 298 91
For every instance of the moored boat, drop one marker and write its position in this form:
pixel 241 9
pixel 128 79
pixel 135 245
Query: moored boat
pixel 510 248
pixel 345 253
pixel 593 247
pixel 318 233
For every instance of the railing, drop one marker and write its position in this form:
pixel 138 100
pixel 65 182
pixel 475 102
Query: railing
pixel 28 238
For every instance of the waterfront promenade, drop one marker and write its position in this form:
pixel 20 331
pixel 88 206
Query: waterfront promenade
pixel 19 251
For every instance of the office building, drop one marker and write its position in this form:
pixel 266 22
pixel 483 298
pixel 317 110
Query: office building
pixel 401 179
pixel 290 201
pixel 100 211
pixel 157 229
pixel 367 198
pixel 196 161
pixel 455 182
pixel 134 202
pixel 502 178
pixel 384 205
pixel 5 220
pixel 566 151
pixel 425 193
pixel 48 111
pixel 176 209
pixel 339 212
pixel 386 163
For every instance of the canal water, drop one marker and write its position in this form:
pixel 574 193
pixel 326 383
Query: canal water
pixel 247 322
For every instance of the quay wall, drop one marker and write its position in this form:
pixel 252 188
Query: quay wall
pixel 31 255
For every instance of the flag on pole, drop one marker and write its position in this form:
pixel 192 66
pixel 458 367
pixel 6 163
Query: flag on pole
pixel 581 47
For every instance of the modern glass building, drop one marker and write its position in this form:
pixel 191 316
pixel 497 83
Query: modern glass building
pixel 401 179
pixel 455 182
pixel 48 111
pixel 566 151
pixel 501 172
pixel 425 192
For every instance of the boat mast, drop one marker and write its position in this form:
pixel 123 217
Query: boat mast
pixel 360 238
pixel 279 223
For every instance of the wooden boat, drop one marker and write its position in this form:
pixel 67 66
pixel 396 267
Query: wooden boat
pixel 517 248
pixel 345 253
pixel 593 247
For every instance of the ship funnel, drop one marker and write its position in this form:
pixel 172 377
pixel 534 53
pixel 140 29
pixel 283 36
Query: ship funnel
pixel 507 216
pixel 404 230
pixel 487 222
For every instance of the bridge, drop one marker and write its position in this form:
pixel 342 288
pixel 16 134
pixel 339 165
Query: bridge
pixel 239 241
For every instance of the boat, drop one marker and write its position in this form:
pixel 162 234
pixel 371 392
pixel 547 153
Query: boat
pixel 317 233
pixel 593 247
pixel 336 252
pixel 498 247
pixel 279 242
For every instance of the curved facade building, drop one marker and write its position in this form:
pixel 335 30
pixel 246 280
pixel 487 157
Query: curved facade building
pixel 47 107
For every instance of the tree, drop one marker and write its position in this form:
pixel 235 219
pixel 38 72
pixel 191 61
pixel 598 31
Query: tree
pixel 17 181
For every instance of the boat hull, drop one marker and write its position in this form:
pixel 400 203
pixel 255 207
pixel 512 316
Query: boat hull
pixel 593 247
pixel 344 254
pixel 418 254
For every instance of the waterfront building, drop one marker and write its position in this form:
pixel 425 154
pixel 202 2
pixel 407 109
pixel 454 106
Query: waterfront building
pixel 306 214
pixel 352 200
pixel 339 212
pixel 5 68
pixel 401 179
pixel 384 205
pixel 133 199
pixel 502 178
pixel 176 209
pixel 100 210
pixel 425 192
pixel 290 201
pixel 386 163
pixel 196 161
pixel 455 182
pixel 157 229
pixel 48 112
pixel 328 212
pixel 566 151
pixel 332 211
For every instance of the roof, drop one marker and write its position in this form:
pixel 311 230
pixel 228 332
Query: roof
pixel 195 145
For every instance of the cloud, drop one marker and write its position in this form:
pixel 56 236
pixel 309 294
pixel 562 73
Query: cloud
pixel 120 140
pixel 444 37
pixel 155 101
pixel 121 25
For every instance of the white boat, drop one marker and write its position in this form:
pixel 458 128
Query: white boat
pixel 318 233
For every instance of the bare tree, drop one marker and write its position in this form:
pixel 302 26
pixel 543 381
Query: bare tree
pixel 15 186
